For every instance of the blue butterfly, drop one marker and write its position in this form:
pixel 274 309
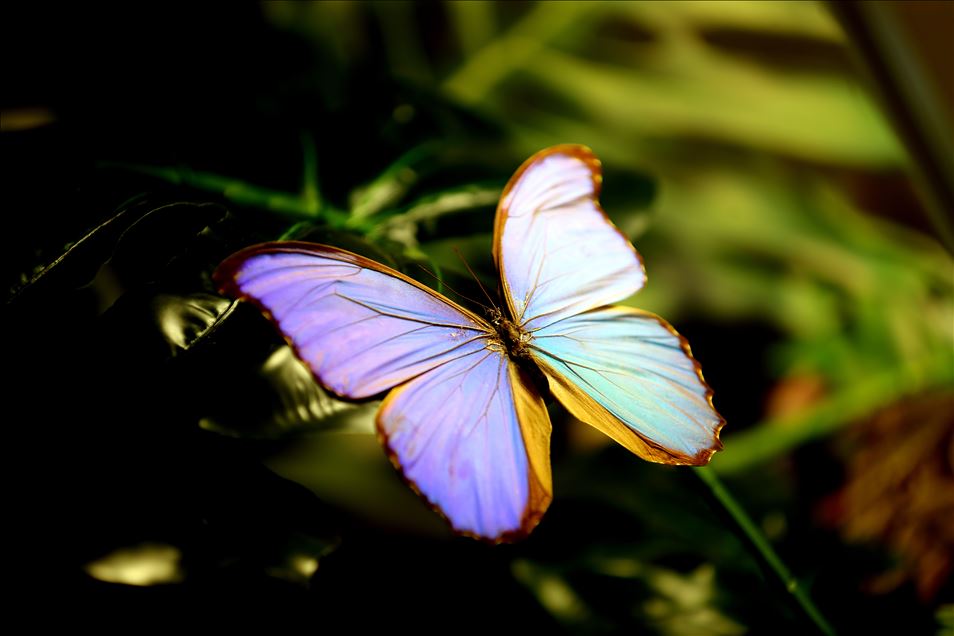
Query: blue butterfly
pixel 462 418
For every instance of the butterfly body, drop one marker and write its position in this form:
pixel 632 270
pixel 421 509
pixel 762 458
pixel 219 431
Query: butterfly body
pixel 509 337
pixel 463 418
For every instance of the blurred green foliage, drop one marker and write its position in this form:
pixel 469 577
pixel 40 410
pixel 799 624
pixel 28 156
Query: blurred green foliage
pixel 742 154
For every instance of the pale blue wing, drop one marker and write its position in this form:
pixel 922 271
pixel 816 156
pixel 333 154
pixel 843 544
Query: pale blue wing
pixel 629 374
pixel 473 437
pixel 557 252
pixel 361 327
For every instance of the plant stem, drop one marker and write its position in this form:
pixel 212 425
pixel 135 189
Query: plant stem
pixel 310 193
pixel 292 206
pixel 883 36
pixel 764 549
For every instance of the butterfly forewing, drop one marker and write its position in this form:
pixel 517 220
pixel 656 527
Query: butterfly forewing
pixel 361 327
pixel 557 252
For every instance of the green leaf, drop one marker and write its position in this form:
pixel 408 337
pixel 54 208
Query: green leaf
pixel 819 118
pixel 162 231
pixel 183 321
pixel 353 473
pixel 281 398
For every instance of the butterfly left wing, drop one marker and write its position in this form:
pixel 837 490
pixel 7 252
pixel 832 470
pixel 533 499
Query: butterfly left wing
pixel 473 437
pixel 464 425
pixel 628 373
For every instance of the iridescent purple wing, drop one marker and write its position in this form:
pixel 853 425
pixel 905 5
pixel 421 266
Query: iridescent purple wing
pixel 473 437
pixel 361 327
pixel 464 425
pixel 557 252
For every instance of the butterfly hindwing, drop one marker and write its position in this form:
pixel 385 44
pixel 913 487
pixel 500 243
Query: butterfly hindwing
pixel 473 437
pixel 629 374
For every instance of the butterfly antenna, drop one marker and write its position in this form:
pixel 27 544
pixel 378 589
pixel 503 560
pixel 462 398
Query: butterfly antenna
pixel 444 283
pixel 479 284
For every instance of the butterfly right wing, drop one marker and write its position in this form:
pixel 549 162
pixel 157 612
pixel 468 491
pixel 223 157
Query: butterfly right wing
pixel 562 262
pixel 361 327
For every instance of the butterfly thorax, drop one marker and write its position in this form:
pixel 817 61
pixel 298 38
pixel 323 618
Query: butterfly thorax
pixel 510 338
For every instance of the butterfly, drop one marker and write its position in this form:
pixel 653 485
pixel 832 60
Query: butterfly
pixel 462 417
